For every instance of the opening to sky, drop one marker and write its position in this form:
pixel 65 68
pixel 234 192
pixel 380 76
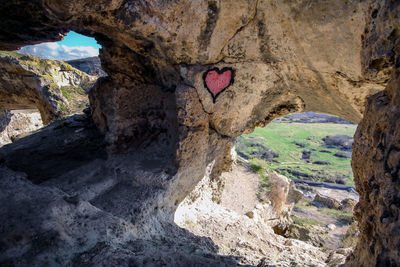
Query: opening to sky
pixel 73 46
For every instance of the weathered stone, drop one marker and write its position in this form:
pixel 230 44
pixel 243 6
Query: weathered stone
pixel 91 66
pixel 348 204
pixel 308 233
pixel 325 201
pixel 163 128
pixel 16 124
pixel 376 165
pixel 294 195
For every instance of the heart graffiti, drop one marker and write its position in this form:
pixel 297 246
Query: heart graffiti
pixel 216 81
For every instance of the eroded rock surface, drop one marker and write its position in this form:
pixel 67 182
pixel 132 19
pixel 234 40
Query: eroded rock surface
pixel 16 124
pixel 163 128
pixel 90 65
pixel 376 165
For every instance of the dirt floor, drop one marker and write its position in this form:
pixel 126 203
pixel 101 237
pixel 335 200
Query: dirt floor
pixel 241 187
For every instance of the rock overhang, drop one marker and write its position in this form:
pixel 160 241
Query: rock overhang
pixel 287 57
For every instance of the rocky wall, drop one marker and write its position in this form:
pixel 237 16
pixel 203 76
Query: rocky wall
pixel 376 166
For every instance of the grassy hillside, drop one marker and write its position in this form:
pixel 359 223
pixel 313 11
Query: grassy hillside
pixel 297 150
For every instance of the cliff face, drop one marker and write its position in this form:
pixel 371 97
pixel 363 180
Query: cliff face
pixel 185 79
pixel 90 65
pixel 27 82
pixel 376 158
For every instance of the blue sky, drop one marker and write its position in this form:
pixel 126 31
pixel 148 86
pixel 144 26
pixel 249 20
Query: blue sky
pixel 73 46
pixel 75 39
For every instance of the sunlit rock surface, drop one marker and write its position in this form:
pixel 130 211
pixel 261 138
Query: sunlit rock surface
pixel 16 124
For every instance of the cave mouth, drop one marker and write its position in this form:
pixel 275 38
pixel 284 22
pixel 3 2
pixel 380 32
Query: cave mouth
pixel 73 46
pixel 89 22
pixel 314 152
pixel 303 146
pixel 290 177
pixel 53 77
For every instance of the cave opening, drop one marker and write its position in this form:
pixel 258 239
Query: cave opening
pixel 293 175
pixel 52 77
pixel 45 106
pixel 314 152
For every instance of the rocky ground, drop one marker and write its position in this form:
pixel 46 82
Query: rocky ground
pixel 242 225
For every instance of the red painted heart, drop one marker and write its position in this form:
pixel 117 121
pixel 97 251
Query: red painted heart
pixel 216 81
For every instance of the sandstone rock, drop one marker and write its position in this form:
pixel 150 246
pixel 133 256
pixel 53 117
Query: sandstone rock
pixel 309 233
pixel 337 257
pixel 278 190
pixel 295 195
pixel 348 204
pixel 376 174
pixel 325 201
pixel 249 239
pixel 15 124
pixel 91 66
pixel 52 87
pixel 163 127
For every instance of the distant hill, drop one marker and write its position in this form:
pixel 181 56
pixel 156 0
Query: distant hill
pixel 311 117
pixel 90 65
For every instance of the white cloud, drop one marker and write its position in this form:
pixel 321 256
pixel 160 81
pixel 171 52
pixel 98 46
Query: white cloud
pixel 59 52
pixel 52 46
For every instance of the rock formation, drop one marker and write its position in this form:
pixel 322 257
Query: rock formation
pixel 16 124
pixel 27 82
pixel 90 65
pixel 185 79
pixel 376 165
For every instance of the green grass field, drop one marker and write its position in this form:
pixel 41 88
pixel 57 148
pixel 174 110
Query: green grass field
pixel 289 140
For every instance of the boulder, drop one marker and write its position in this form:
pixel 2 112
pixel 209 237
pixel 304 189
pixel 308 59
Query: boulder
pixel 343 154
pixel 348 205
pixel 325 201
pixel 342 141
pixel 306 155
pixel 295 195
pixel 309 233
